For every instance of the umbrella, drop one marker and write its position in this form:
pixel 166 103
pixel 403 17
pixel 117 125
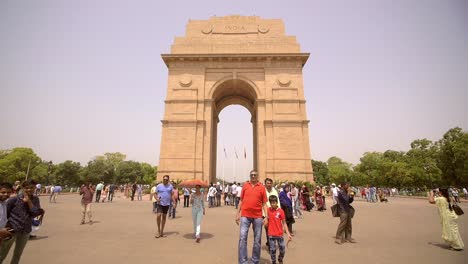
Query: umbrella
pixel 193 183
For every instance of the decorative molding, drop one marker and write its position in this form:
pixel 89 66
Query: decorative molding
pixel 284 80
pixel 185 80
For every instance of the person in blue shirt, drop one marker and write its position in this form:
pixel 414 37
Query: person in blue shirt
pixel 20 210
pixel 163 197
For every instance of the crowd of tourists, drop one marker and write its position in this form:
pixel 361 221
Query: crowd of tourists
pixel 259 206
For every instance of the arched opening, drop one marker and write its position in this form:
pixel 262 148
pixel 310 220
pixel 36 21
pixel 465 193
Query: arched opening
pixel 234 152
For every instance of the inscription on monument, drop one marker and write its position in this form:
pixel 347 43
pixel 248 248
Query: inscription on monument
pixel 235 28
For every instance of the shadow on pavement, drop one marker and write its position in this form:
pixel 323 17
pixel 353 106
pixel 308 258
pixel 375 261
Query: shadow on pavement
pixel 202 236
pixel 440 245
pixel 38 238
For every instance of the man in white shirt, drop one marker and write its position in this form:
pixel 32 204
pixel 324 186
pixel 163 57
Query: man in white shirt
pixel 227 193
pixel 153 198
pixel 234 193
pixel 465 192
pixel 334 193
pixel 238 195
pixel 211 196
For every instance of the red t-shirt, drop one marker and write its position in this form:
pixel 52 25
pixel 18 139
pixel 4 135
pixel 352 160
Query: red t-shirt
pixel 253 197
pixel 275 227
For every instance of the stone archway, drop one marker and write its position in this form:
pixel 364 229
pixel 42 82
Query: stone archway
pixel 232 92
pixel 235 60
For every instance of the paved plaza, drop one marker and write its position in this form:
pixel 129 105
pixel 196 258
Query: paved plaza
pixel 402 231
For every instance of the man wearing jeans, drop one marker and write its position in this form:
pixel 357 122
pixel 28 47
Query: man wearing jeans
pixel 252 200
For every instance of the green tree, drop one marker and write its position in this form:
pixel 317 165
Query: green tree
pixel 453 157
pixel 129 172
pixel 14 163
pixel 339 170
pixel 149 173
pixel 97 170
pixel 421 162
pixel 320 170
pixel 67 173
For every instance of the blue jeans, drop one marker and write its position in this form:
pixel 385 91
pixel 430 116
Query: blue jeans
pixel 273 241
pixel 257 224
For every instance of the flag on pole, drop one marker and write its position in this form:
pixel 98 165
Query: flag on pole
pixel 245 153
pixel 235 151
pixel 225 153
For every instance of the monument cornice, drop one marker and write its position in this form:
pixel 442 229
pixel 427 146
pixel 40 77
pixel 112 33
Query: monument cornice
pixel 167 58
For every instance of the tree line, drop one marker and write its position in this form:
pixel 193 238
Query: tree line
pixel 22 163
pixel 426 164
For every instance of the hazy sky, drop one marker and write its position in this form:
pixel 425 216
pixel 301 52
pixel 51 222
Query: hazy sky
pixel 80 78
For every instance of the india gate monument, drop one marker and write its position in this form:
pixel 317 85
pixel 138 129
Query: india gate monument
pixel 242 60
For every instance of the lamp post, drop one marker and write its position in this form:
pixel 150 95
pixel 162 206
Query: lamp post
pixel 49 169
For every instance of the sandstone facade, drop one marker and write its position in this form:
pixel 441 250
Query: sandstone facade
pixel 242 60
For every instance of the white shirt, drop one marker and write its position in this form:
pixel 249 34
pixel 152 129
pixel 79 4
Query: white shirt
pixel 239 191
pixel 212 191
pixel 335 191
pixel 226 190
pixel 3 214
pixel 153 190
pixel 234 189
pixel 465 191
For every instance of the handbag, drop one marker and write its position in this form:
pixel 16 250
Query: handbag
pixel 457 209
pixel 335 210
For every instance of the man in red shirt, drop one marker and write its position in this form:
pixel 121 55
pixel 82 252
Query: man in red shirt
pixel 253 199
pixel 276 224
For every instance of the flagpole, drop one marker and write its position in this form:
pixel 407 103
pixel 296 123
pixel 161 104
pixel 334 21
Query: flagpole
pixel 234 167
pixel 224 178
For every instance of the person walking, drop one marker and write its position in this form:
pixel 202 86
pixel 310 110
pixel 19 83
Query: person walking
pixel 465 192
pixel 238 194
pixel 286 205
pixel 87 193
pixel 198 211
pixel 455 194
pixel 5 192
pixel 276 225
pixel 104 192
pixel 211 196
pixel 334 190
pixel 270 191
pixel 186 196
pixel 153 198
pixel 139 192
pixel 99 188
pixel 21 210
pixel 234 194
pixel 448 219
pixel 111 192
pixel 305 196
pixel 219 192
pixel 174 201
pixel 344 231
pixel 164 197
pixel 252 201
pixel 319 199
pixel 134 189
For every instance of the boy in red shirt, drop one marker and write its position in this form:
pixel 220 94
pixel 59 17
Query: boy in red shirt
pixel 276 225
